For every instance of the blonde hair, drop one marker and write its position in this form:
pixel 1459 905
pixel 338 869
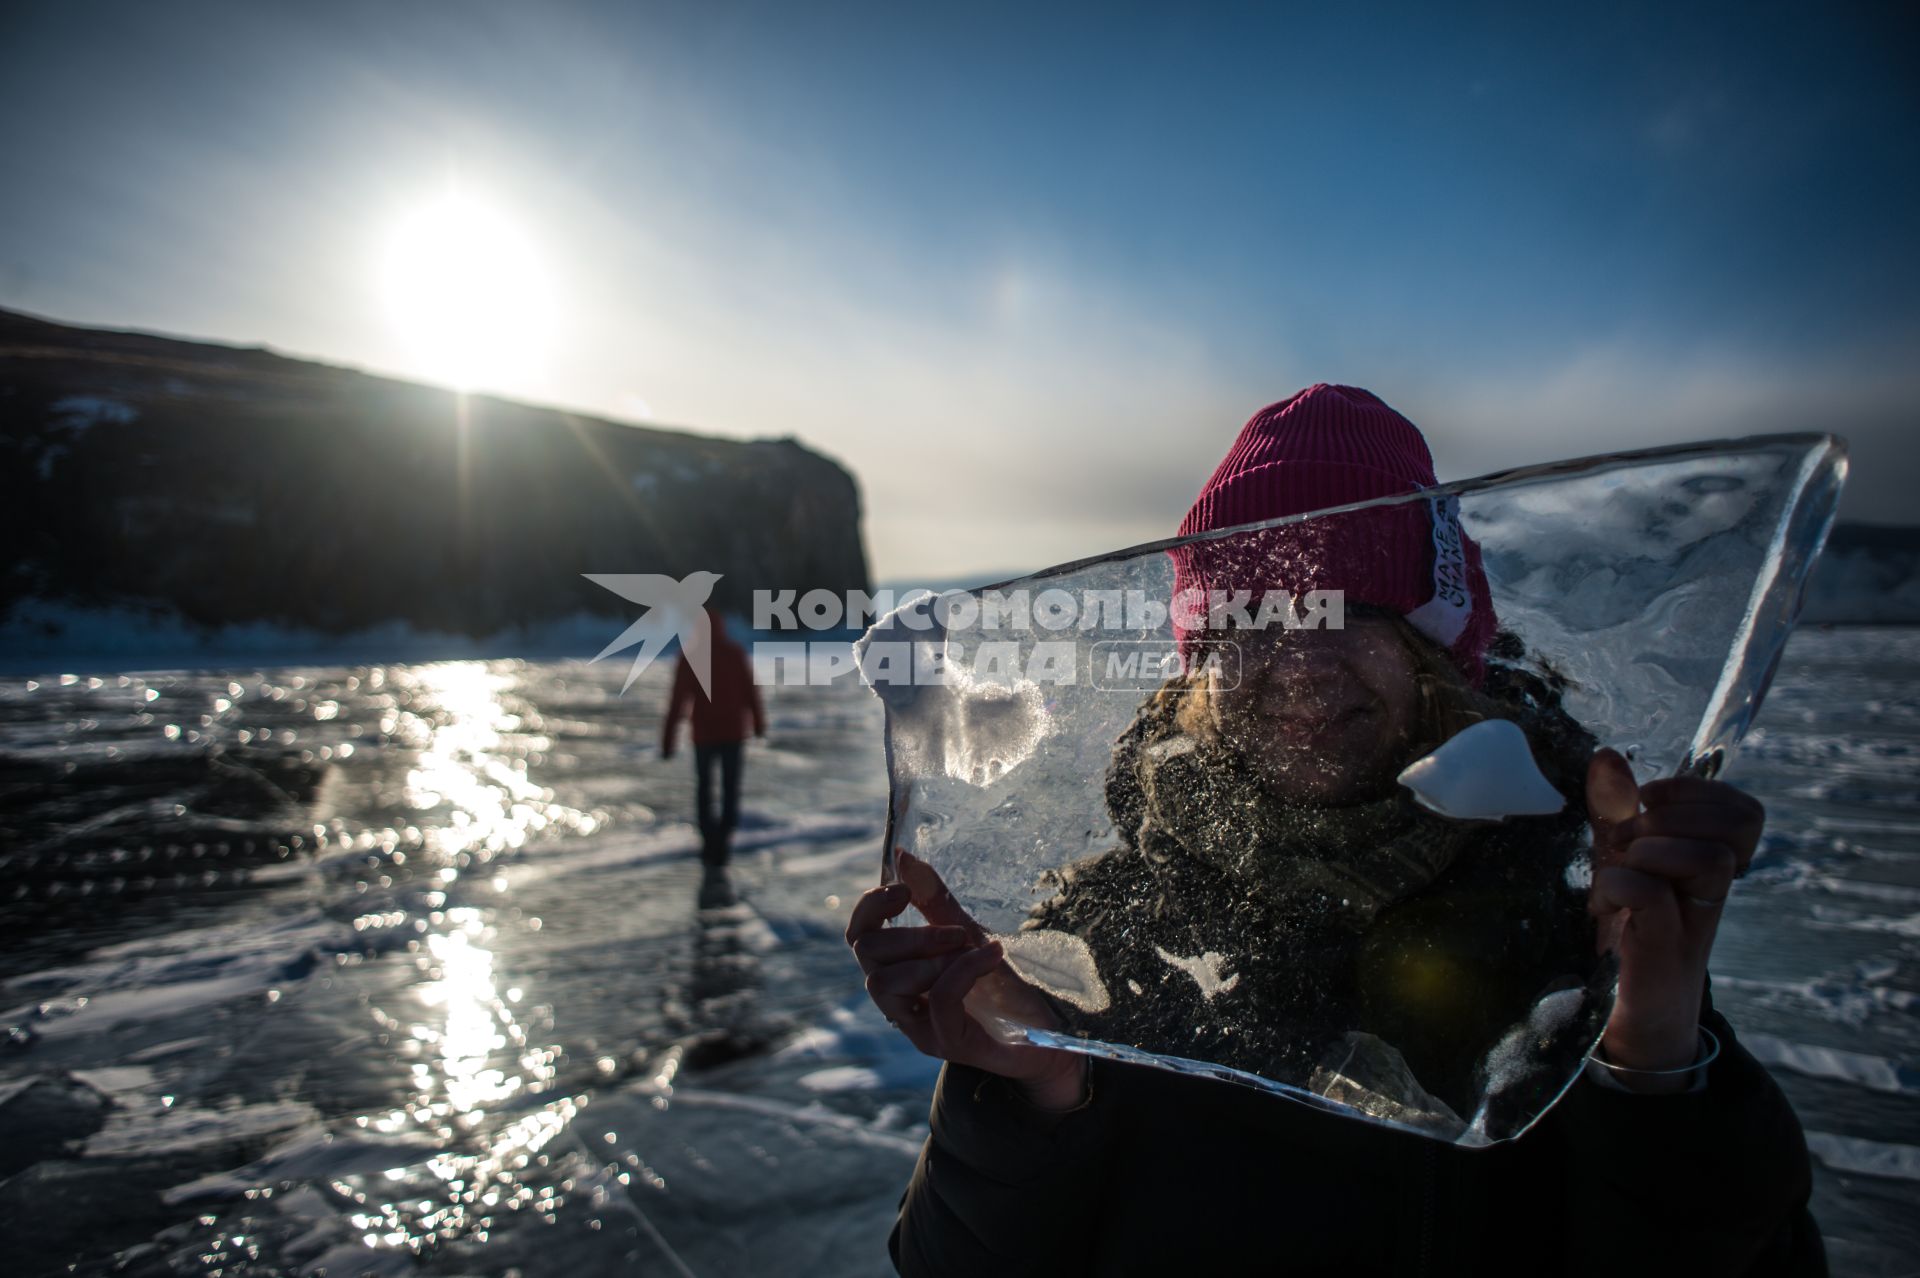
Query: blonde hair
pixel 1446 702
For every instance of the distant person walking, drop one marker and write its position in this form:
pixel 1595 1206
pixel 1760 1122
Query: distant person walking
pixel 721 719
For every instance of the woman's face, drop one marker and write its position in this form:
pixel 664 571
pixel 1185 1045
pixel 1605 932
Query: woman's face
pixel 1320 716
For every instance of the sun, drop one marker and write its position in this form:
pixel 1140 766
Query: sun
pixel 467 295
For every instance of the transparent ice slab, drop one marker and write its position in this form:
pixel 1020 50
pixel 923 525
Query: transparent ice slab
pixel 1217 872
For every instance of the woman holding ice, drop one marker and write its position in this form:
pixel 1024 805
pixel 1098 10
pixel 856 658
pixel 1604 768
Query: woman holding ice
pixel 1281 904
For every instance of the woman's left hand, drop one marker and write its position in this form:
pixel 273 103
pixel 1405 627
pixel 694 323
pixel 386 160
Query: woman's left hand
pixel 1665 857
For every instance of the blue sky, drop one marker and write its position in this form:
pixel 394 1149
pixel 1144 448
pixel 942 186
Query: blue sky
pixel 1025 272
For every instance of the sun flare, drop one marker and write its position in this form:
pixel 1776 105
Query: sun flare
pixel 468 295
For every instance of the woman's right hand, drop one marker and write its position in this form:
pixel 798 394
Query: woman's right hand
pixel 920 979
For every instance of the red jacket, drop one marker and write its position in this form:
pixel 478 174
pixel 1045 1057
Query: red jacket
pixel 729 713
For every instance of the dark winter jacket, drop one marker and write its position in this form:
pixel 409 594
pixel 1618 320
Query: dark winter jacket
pixel 1162 1173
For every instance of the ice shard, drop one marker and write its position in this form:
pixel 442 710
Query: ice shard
pixel 1278 834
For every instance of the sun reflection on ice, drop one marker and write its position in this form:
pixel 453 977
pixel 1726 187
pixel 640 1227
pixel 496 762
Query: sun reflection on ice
pixel 473 756
pixel 471 1055
pixel 476 1022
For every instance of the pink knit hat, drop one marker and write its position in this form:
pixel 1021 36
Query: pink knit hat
pixel 1331 446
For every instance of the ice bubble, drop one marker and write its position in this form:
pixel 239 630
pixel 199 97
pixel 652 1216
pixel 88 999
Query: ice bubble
pixel 1365 1072
pixel 1204 969
pixel 972 733
pixel 1059 963
pixel 971 721
pixel 1484 773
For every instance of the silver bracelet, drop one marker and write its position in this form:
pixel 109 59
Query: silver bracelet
pixel 1712 1055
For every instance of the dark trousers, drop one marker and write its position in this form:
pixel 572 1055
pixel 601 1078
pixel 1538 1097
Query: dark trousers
pixel 716 827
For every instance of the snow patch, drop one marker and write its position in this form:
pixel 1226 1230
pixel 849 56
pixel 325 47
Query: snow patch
pixel 160 1129
pixel 1876 1073
pixel 79 412
pixel 1865 1157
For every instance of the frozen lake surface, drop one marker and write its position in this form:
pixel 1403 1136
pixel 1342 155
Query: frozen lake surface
pixel 402 969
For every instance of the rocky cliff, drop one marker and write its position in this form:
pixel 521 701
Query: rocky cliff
pixel 217 486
